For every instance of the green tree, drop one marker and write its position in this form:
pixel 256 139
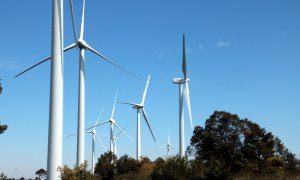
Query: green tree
pixel 3 128
pixel 105 167
pixel 228 145
pixel 78 173
pixel 172 168
pixel 127 167
pixel 218 145
pixel 146 168
pixel 41 173
pixel 0 87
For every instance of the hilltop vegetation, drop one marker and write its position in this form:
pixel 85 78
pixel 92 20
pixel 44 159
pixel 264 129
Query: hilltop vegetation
pixel 226 148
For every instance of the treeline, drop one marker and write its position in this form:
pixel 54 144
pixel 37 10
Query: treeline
pixel 226 148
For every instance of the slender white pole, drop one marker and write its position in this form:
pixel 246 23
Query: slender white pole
pixel 56 94
pixel 81 111
pixel 168 150
pixel 138 136
pixel 111 138
pixel 181 122
pixel 93 154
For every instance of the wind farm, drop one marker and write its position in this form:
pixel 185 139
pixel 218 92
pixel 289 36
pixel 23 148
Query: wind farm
pixel 204 59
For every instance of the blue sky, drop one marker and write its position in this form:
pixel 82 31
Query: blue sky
pixel 243 57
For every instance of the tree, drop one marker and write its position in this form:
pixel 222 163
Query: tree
pixel 3 176
pixel 3 128
pixel 127 167
pixel 0 86
pixel 40 173
pixel 78 173
pixel 218 145
pixel 228 145
pixel 172 168
pixel 105 167
pixel 146 168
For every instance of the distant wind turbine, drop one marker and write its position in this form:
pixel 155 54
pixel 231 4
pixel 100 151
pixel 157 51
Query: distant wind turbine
pixel 115 138
pixel 94 136
pixel 139 107
pixel 168 145
pixel 82 45
pixel 181 82
pixel 113 123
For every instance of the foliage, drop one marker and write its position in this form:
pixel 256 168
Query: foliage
pixel 228 145
pixel 0 87
pixel 127 167
pixel 78 173
pixel 40 173
pixel 3 176
pixel 105 167
pixel 146 168
pixel 171 168
pixel 3 128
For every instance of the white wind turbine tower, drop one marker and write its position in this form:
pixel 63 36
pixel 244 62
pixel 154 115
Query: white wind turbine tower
pixel 139 107
pixel 113 123
pixel 82 45
pixel 181 82
pixel 54 159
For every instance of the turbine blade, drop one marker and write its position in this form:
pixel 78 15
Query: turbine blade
pixel 100 142
pixel 145 91
pixel 31 67
pixel 188 103
pixel 103 57
pixel 184 58
pixel 104 135
pixel 146 119
pixel 97 125
pixel 154 151
pixel 82 20
pixel 132 104
pixel 123 131
pixel 172 146
pixel 98 117
pixel 71 135
pixel 73 22
pixel 44 60
pixel 113 110
pixel 163 146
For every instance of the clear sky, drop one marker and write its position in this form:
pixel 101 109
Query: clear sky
pixel 243 56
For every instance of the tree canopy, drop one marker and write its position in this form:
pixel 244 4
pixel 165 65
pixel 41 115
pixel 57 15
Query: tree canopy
pixel 228 145
pixel 226 148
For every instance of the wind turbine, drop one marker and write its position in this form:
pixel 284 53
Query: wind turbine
pixel 181 82
pixel 112 123
pixel 168 145
pixel 82 45
pixel 94 136
pixel 115 138
pixel 139 107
